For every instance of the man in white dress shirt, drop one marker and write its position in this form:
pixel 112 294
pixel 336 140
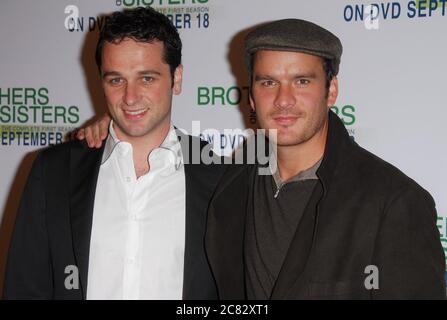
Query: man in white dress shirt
pixel 125 221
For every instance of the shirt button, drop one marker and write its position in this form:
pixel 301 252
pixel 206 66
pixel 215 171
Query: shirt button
pixel 133 217
pixel 128 179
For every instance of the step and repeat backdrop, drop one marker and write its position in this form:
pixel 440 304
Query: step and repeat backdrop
pixel 392 79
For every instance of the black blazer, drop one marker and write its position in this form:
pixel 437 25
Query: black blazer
pixel 362 212
pixel 54 222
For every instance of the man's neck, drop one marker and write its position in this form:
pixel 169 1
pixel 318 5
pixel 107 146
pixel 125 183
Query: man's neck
pixel 292 160
pixel 143 146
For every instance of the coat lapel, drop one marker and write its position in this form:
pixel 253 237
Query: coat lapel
pixel 300 249
pixel 200 182
pixel 192 230
pixel 226 230
pixel 84 169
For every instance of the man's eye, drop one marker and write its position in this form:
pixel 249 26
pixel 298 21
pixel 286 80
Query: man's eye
pixel 116 80
pixel 268 83
pixel 303 81
pixel 148 79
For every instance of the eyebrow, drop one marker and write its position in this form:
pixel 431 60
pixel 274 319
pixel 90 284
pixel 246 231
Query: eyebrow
pixel 153 72
pixel 117 74
pixel 310 75
pixel 262 77
pixel 110 74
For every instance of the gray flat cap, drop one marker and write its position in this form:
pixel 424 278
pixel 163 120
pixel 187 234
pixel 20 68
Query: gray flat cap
pixel 294 35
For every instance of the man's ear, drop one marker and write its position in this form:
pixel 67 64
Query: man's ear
pixel 333 92
pixel 178 77
pixel 252 103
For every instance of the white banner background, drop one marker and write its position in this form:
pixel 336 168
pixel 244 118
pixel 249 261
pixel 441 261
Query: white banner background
pixel 392 77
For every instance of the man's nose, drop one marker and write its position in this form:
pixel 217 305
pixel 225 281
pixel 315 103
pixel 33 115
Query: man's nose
pixel 284 97
pixel 131 94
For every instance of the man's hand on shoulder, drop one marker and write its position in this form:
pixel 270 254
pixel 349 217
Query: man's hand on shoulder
pixel 95 132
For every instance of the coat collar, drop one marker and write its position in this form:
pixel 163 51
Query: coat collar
pixel 337 144
pixel 84 170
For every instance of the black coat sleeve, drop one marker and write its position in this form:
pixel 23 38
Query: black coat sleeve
pixel 408 251
pixel 28 272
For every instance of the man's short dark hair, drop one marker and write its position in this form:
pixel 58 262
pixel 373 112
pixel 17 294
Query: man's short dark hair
pixel 142 24
pixel 329 71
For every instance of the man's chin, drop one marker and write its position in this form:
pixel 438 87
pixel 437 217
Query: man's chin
pixel 137 134
pixel 288 140
pixel 134 132
pixel 283 135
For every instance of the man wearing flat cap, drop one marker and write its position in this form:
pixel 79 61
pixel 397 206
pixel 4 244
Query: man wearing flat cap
pixel 334 221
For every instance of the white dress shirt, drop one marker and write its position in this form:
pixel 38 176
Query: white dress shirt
pixel 138 232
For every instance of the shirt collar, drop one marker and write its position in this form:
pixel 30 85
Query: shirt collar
pixel 308 174
pixel 170 144
pixel 111 142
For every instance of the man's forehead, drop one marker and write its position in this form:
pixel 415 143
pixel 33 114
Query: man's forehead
pixel 133 54
pixel 276 57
